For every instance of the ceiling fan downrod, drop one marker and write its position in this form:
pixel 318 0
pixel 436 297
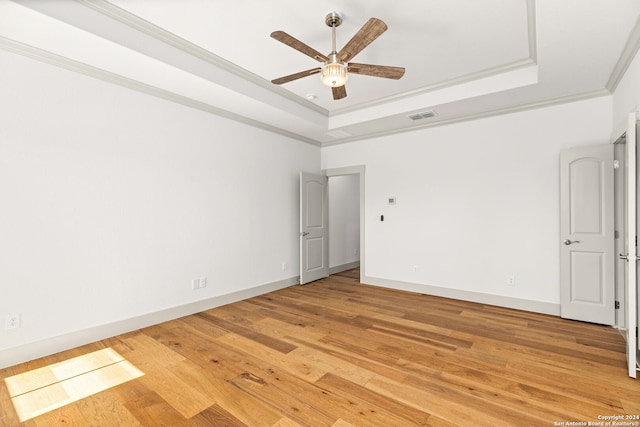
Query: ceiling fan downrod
pixel 333 20
pixel 334 71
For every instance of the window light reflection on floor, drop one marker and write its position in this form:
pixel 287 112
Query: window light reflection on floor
pixel 41 390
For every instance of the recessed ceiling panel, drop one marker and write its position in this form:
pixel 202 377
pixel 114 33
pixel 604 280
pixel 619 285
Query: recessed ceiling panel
pixel 436 41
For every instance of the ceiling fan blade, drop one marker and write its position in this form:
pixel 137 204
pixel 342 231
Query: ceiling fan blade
pixel 285 38
pixel 376 70
pixel 296 76
pixel 368 33
pixel 339 92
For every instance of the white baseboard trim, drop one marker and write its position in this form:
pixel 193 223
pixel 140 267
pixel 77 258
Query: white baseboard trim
pixel 497 300
pixel 344 267
pixel 26 352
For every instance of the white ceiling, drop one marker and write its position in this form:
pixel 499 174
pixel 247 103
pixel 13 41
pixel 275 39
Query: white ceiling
pixel 463 58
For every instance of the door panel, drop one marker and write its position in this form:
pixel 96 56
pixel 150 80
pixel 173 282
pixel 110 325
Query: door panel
pixel 314 198
pixel 587 268
pixel 586 196
pixel 314 248
pixel 587 260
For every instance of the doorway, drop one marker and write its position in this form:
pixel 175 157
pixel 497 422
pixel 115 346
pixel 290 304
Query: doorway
pixel 344 222
pixel 351 180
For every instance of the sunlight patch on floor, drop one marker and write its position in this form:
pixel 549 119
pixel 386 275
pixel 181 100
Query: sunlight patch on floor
pixel 44 389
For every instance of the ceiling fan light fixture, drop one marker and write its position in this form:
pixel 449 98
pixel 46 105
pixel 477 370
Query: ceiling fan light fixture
pixel 336 65
pixel 334 74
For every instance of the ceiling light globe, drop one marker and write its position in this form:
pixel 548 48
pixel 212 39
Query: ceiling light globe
pixel 334 74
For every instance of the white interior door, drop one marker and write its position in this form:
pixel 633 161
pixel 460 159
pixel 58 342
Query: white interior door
pixel 587 247
pixel 314 248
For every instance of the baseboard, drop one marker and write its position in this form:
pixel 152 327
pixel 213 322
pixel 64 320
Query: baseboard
pixel 497 300
pixel 344 267
pixel 24 353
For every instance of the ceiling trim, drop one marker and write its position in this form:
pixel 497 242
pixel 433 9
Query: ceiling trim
pixel 533 35
pixel 112 11
pixel 126 18
pixel 626 57
pixel 41 55
pixel 91 71
pixel 492 113
pixel 489 72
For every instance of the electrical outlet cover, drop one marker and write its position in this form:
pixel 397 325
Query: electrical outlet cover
pixel 12 321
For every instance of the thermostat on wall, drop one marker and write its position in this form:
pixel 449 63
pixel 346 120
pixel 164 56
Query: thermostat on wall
pixel 392 200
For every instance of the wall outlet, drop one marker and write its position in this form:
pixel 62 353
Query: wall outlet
pixel 198 283
pixel 415 268
pixel 511 280
pixel 12 321
pixel 285 265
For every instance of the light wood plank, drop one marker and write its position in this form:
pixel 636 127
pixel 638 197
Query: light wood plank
pixel 338 353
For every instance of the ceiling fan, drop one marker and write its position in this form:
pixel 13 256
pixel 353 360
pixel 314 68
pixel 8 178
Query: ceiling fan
pixel 336 65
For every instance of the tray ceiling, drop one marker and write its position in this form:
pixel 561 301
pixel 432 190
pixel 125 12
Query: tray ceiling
pixel 463 58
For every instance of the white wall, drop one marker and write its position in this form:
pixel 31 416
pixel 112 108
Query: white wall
pixel 112 201
pixel 344 220
pixel 476 201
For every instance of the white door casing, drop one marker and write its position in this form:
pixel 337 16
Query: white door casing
pixel 620 186
pixel 587 245
pixel 631 247
pixel 314 248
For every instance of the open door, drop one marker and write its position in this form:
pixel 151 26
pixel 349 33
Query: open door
pixel 587 246
pixel 314 214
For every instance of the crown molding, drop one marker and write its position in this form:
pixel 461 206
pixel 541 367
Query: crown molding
pixel 112 11
pixel 41 55
pixel 492 113
pixel 531 60
pixel 490 72
pixel 133 21
pixel 533 36
pixel 88 70
pixel 626 57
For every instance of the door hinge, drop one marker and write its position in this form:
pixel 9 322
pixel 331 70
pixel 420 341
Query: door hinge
pixel 617 305
pixel 616 234
pixel 616 164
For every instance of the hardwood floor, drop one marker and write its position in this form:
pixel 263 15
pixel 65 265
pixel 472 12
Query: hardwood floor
pixel 338 353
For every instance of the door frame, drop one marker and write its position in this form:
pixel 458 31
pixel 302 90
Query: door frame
pixel 620 196
pixel 628 129
pixel 360 171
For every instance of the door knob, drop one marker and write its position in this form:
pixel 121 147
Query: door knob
pixel 624 257
pixel 568 242
pixel 305 233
